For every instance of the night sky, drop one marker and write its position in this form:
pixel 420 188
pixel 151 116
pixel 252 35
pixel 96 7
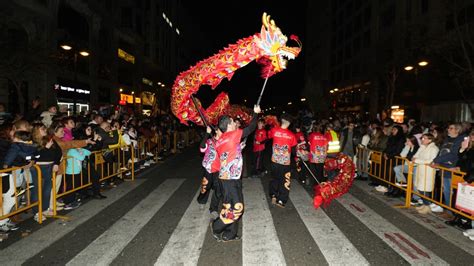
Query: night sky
pixel 225 24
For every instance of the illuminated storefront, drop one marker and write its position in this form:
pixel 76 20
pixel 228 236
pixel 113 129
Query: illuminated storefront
pixel 397 114
pixel 67 96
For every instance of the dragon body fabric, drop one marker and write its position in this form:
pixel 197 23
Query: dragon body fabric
pixel 268 48
pixel 325 192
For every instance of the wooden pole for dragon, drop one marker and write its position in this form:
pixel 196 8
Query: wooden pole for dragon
pixel 263 88
pixel 204 120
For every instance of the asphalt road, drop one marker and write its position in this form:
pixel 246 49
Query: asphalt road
pixel 156 220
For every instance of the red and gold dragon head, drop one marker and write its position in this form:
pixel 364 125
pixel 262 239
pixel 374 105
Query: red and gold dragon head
pixel 273 50
pixel 267 47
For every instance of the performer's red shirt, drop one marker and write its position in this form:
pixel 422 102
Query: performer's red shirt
pixel 230 154
pixel 260 136
pixel 283 140
pixel 301 146
pixel 210 161
pixel 318 147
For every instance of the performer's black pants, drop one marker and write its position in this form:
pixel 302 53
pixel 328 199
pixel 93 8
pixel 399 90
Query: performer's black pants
pixel 258 167
pixel 210 181
pixel 300 170
pixel 318 171
pixel 280 183
pixel 232 209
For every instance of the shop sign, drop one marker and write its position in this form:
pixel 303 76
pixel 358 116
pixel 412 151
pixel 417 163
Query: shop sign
pixel 64 88
pixel 126 56
pixel 126 97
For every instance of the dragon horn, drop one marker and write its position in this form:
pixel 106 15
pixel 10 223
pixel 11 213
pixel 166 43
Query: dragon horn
pixel 265 19
pixel 267 22
pixel 296 39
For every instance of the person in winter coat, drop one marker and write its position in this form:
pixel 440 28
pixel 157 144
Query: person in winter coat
pixel 349 140
pixel 448 158
pixel 424 174
pixel 411 147
pixel 395 144
pixel 49 160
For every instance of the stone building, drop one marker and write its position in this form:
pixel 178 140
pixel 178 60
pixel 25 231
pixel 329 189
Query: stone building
pixel 91 52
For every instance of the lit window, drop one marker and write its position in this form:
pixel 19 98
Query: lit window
pixel 177 31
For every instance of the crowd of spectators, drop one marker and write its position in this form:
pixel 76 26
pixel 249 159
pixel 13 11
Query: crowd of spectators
pixel 68 145
pixel 431 147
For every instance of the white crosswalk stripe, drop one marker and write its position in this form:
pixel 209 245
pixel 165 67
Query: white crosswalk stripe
pixel 330 240
pixel 408 248
pixel 26 248
pixel 185 244
pixel 260 241
pixel 107 246
pixel 430 222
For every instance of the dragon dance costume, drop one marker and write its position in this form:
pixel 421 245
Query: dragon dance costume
pixel 318 146
pixel 209 180
pixel 283 141
pixel 301 151
pixel 258 147
pixel 229 152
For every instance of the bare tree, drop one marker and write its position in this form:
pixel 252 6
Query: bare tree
pixel 22 57
pixel 456 48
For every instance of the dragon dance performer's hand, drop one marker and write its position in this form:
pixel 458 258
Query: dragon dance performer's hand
pixel 256 109
pixel 208 130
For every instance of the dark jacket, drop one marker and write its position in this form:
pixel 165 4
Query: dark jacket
pixel 448 152
pixel 53 154
pixel 395 144
pixel 466 164
pixel 356 139
pixel 4 146
pixel 33 114
pixel 413 152
pixel 108 138
pixel 20 154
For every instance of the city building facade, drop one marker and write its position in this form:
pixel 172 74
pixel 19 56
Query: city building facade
pixel 363 57
pixel 93 53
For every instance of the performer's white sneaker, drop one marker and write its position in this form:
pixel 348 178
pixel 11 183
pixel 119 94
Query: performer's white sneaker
pixel 280 204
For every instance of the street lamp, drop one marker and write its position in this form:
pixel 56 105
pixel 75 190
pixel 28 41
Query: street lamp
pixel 423 63
pixel 66 47
pixel 83 53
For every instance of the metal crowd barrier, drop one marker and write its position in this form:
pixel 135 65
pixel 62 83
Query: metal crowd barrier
pixel 123 161
pixel 105 170
pixel 15 205
pixel 433 181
